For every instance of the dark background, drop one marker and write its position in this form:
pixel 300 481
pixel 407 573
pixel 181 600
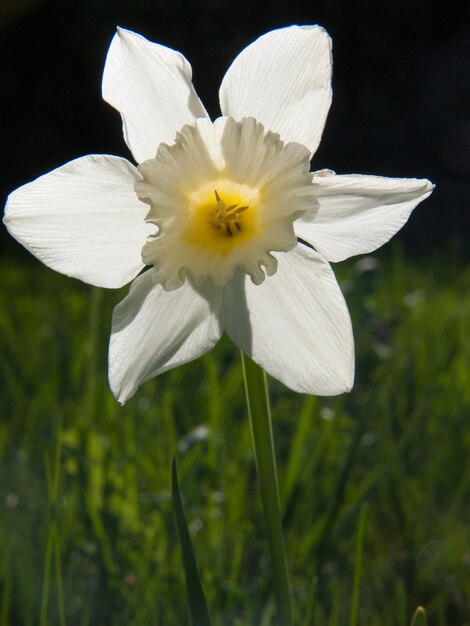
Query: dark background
pixel 401 104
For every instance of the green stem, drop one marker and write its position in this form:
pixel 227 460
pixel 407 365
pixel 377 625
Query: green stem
pixel 263 444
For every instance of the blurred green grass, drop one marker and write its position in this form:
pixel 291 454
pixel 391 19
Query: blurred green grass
pixel 87 535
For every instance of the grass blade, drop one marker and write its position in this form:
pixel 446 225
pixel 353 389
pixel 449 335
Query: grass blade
pixel 358 566
pixel 197 601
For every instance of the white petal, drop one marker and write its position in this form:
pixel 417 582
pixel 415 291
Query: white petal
pixel 358 214
pixel 84 220
pixel 155 330
pixel 150 85
pixel 295 325
pixel 283 79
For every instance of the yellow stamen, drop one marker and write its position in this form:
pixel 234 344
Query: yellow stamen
pixel 226 216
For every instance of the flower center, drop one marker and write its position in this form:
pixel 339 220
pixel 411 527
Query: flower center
pixel 223 198
pixel 222 215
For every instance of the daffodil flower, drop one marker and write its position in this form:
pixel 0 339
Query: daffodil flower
pixel 237 231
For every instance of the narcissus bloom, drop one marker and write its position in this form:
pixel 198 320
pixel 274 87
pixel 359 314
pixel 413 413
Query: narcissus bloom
pixel 221 211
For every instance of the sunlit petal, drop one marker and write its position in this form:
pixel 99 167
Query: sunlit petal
pixel 84 220
pixel 358 214
pixel 283 79
pixel 295 325
pixel 150 85
pixel 155 330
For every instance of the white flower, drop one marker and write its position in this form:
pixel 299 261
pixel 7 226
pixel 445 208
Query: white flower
pixel 228 200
